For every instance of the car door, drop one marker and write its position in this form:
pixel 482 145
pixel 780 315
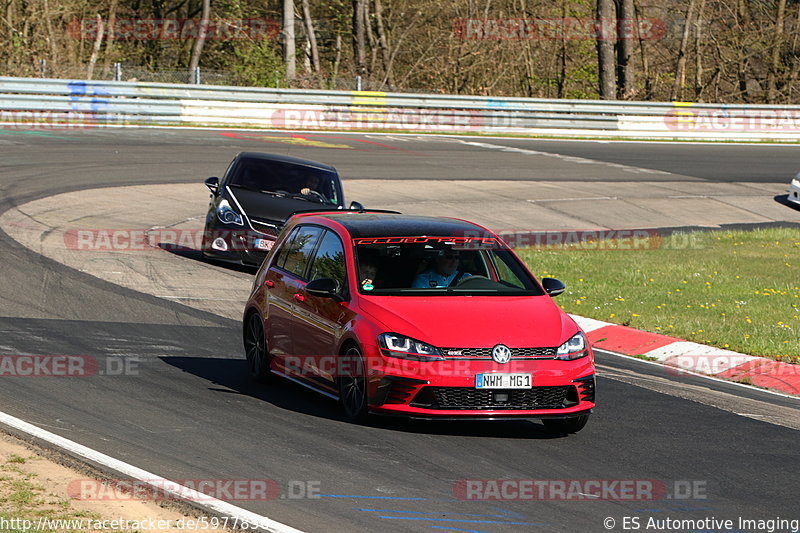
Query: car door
pixel 318 320
pixel 284 281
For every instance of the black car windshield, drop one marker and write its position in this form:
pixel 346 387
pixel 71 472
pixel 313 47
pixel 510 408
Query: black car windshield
pixel 286 179
pixel 399 266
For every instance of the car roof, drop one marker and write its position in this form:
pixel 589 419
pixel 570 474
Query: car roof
pixel 395 225
pixel 285 159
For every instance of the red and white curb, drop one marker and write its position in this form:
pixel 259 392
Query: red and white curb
pixel 687 356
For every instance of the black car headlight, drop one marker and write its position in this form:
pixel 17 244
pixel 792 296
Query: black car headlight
pixel 227 215
pixel 402 347
pixel 575 348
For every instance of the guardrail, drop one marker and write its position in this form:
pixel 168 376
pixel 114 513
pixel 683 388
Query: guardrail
pixel 44 103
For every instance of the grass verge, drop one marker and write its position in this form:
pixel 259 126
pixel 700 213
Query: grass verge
pixel 23 498
pixel 738 290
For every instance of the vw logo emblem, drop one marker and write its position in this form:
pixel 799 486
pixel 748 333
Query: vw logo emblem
pixel 501 353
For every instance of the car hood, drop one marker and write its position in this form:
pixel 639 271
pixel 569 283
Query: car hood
pixel 473 321
pixel 267 207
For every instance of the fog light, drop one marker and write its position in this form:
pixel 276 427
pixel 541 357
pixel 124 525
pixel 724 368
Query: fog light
pixel 220 244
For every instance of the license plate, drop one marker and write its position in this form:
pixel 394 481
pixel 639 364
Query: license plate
pixel 264 244
pixel 496 380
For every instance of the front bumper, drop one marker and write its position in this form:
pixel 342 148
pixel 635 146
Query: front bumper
pixel 239 246
pixel 794 192
pixel 441 390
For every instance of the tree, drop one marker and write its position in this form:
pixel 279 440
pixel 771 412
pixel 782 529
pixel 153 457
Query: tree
pixel 606 38
pixel 359 37
pixel 628 27
pixel 197 49
pixel 312 36
pixel 775 57
pixel 680 67
pixel 289 53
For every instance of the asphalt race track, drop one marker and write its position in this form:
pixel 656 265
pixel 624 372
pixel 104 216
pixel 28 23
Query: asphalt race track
pixel 189 413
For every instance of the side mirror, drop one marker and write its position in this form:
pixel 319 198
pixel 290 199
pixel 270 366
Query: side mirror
pixel 325 288
pixel 552 286
pixel 356 206
pixel 213 185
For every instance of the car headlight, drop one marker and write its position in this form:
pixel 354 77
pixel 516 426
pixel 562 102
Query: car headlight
pixel 227 215
pixel 575 348
pixel 402 347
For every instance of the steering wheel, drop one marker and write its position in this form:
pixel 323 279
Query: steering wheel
pixel 465 281
pixel 317 195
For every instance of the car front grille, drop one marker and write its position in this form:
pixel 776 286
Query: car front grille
pixel 545 397
pixel 486 353
pixel 265 227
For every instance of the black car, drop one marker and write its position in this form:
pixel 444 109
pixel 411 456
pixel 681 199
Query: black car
pixel 258 193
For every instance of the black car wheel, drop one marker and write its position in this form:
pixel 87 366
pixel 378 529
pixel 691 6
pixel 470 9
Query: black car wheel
pixel 255 349
pixel 566 425
pixel 352 385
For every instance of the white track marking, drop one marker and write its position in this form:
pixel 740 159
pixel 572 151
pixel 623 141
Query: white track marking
pixel 567 158
pixel 161 484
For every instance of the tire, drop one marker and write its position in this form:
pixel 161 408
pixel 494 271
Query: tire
pixel 352 385
pixel 255 349
pixel 566 426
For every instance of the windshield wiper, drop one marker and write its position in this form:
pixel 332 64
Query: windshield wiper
pixel 262 191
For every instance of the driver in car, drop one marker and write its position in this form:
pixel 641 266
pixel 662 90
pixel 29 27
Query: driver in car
pixel 443 273
pixel 311 189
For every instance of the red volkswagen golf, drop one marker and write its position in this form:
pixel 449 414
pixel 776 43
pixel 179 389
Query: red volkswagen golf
pixel 417 316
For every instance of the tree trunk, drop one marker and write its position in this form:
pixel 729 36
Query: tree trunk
pixel 372 40
pixel 289 53
pixel 743 19
pixel 312 36
pixel 98 42
pixel 112 23
pixel 698 53
pixel 680 67
pixel 627 30
pixel 383 42
pixel 50 35
pixel 336 60
pixel 648 82
pixel 606 36
pixel 775 56
pixel 197 49
pixel 359 38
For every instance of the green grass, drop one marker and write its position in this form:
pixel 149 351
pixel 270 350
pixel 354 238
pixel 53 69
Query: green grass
pixel 738 290
pixel 22 498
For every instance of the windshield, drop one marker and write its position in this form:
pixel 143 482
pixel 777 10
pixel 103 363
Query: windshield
pixel 395 266
pixel 284 179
